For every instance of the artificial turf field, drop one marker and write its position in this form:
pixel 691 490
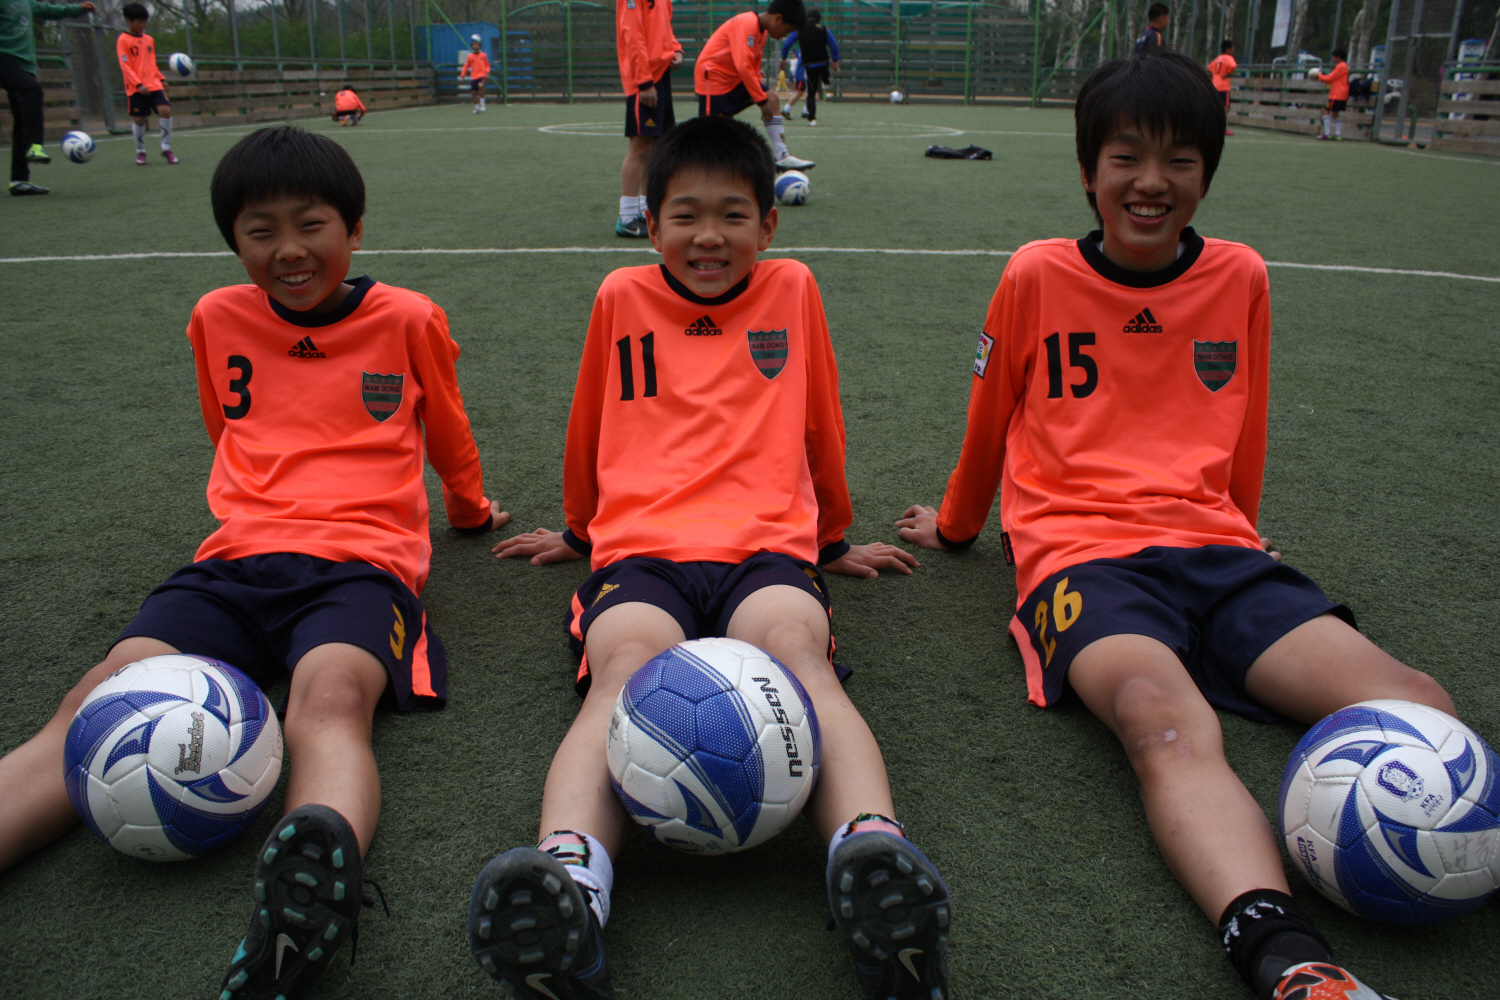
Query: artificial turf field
pixel 1381 484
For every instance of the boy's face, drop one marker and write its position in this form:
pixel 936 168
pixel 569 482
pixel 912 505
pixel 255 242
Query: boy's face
pixel 298 250
pixel 710 230
pixel 1147 189
pixel 474 46
pixel 1161 22
pixel 136 27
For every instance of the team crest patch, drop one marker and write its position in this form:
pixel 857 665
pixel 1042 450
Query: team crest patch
pixel 1214 361
pixel 982 354
pixel 750 41
pixel 382 394
pixel 768 351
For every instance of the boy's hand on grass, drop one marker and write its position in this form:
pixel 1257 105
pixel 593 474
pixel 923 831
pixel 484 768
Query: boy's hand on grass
pixel 498 517
pixel 1265 544
pixel 542 545
pixel 868 560
pixel 919 524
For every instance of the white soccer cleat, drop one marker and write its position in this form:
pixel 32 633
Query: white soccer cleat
pixel 790 162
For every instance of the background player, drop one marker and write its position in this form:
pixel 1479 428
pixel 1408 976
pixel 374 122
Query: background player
pixel 719 531
pixel 816 47
pixel 1132 515
pixel 1338 96
pixel 477 68
pixel 348 109
pixel 323 545
pixel 1222 67
pixel 145 89
pixel 1155 35
pixel 18 79
pixel 727 75
pixel 647 51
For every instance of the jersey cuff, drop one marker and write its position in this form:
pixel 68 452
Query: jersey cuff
pixel 832 552
pixel 577 544
pixel 950 544
pixel 477 529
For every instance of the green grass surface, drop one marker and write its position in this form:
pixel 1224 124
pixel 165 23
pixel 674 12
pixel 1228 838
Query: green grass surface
pixel 1381 484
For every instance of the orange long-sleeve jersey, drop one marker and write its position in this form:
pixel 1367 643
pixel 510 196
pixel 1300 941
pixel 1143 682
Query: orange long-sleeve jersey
pixel 1338 82
pixel 707 429
pixel 317 423
pixel 644 41
pixel 476 66
pixel 1222 67
pixel 1115 410
pixel 348 100
pixel 731 56
pixel 138 62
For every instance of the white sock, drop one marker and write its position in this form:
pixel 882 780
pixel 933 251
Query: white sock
pixel 139 131
pixel 1338 127
pixel 786 109
pixel 166 133
pixel 774 128
pixel 1327 125
pixel 588 863
pixel 630 208
pixel 481 104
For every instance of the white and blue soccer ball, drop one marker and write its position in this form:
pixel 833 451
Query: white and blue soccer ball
pixel 78 146
pixel 172 757
pixel 1392 810
pixel 180 63
pixel 793 187
pixel 713 746
pixel 897 97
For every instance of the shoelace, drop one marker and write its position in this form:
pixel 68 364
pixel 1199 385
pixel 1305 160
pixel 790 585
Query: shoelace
pixel 367 903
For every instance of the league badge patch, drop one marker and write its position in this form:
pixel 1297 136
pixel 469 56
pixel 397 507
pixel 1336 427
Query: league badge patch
pixel 382 394
pixel 982 354
pixel 768 351
pixel 1214 361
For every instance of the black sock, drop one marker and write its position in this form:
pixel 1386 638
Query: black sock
pixel 1265 933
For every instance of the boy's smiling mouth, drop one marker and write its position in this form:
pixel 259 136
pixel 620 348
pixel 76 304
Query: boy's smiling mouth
pixel 1148 211
pixel 708 265
pixel 297 278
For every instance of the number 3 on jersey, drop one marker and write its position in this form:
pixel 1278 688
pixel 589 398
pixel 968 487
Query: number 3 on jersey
pixel 240 386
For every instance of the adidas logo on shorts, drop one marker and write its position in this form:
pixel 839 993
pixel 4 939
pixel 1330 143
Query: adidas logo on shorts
pixel 305 348
pixel 703 326
pixel 1144 322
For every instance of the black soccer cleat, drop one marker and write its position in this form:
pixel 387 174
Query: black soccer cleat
pixel 308 890
pixel 22 188
pixel 635 228
pixel 893 906
pixel 530 926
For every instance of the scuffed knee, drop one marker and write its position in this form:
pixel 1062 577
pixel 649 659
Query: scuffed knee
pixel 1159 728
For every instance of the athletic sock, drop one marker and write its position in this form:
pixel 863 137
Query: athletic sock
pixel 139 131
pixel 774 128
pixel 1338 127
pixel 1265 933
pixel 481 104
pixel 862 824
pixel 1327 125
pixel 588 862
pixel 166 133
pixel 630 208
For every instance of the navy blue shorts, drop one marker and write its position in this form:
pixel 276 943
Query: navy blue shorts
pixel 141 104
pixel 730 104
pixel 263 613
pixel 653 121
pixel 476 86
pixel 701 596
pixel 1217 607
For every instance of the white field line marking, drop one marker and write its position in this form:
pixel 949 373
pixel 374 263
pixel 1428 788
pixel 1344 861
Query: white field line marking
pixel 892 251
pixel 919 131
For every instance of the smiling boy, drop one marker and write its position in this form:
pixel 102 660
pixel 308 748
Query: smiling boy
pixel 704 476
pixel 316 392
pixel 1119 404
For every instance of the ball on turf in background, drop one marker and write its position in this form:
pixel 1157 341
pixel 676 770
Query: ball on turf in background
pixel 897 97
pixel 180 63
pixel 1392 810
pixel 793 187
pixel 713 746
pixel 172 757
pixel 78 146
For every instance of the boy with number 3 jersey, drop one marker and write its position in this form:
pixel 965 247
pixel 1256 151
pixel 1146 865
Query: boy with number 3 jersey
pixel 1119 404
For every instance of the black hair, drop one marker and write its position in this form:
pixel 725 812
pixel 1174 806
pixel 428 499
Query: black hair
pixel 1340 55
pixel 135 12
pixel 791 11
pixel 1156 10
pixel 347 86
pixel 1226 45
pixel 815 16
pixel 714 144
pixel 285 160
pixel 1162 93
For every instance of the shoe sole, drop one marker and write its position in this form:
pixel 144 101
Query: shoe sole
pixel 527 919
pixel 892 904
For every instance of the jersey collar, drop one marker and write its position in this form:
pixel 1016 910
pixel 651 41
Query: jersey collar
pixel 1108 269
pixel 692 296
pixel 362 286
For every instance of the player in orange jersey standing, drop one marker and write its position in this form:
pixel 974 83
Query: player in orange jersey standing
pixel 145 89
pixel 348 109
pixel 647 51
pixel 477 68
pixel 317 393
pixel 1338 95
pixel 704 478
pixel 727 75
pixel 1222 67
pixel 1130 512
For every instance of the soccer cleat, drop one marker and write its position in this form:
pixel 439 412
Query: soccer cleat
pixel 786 110
pixel 36 154
pixel 890 902
pixel 19 188
pixel 806 115
pixel 140 158
pixel 811 122
pixel 308 892
pixel 1228 132
pixel 530 926
pixel 790 162
pixel 170 156
pixel 635 228
pixel 1323 981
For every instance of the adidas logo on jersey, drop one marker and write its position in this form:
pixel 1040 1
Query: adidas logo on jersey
pixel 1144 322
pixel 703 326
pixel 305 348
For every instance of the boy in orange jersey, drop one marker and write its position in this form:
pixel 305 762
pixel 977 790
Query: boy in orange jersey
pixel 316 392
pixel 704 476
pixel 348 109
pixel 1222 67
pixel 145 89
pixel 647 50
pixel 1338 96
pixel 477 68
pixel 727 75
pixel 1119 402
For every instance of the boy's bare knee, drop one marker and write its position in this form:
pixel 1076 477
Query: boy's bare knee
pixel 335 682
pixel 1424 689
pixel 1158 729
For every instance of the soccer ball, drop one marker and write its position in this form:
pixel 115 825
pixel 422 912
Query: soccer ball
pixel 78 146
pixel 897 97
pixel 1392 810
pixel 172 757
pixel 180 64
pixel 714 746
pixel 793 187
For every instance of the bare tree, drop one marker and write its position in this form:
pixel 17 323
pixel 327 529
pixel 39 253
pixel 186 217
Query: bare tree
pixel 1362 32
pixel 1296 29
